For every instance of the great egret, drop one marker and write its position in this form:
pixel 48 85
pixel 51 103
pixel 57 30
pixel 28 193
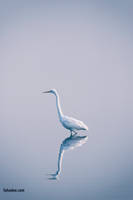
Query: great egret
pixel 68 122
pixel 68 143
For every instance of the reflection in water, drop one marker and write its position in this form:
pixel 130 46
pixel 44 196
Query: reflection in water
pixel 68 144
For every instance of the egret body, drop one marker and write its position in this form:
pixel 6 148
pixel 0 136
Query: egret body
pixel 68 122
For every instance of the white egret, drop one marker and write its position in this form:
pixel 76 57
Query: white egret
pixel 68 122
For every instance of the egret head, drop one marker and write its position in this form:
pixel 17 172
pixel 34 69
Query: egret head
pixel 52 91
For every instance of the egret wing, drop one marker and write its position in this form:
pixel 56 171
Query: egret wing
pixel 72 123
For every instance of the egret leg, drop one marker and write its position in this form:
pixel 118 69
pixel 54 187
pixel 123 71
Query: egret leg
pixel 71 134
pixel 75 132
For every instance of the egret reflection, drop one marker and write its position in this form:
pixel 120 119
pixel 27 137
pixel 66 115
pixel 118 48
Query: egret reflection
pixel 68 143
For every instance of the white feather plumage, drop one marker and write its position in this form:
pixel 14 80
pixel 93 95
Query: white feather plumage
pixel 68 122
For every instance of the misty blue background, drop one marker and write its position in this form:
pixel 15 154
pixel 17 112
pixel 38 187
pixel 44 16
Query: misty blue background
pixel 84 49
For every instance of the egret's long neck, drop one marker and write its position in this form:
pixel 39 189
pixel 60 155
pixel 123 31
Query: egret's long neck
pixel 58 106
